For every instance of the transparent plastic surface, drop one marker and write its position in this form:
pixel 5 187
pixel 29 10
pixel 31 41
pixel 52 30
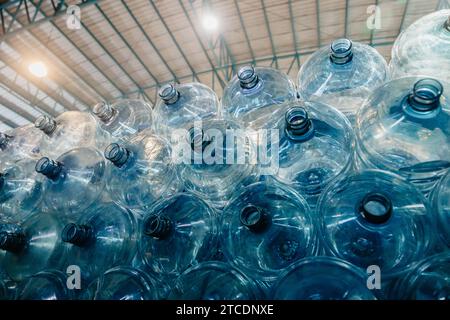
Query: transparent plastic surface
pixel 177 233
pixel 45 285
pixel 73 182
pixel 71 129
pixel 375 218
pixel 180 105
pixel 430 280
pixel 214 281
pixel 124 118
pixel 218 161
pixel 20 191
pixel 315 146
pixel 21 143
pixel 33 246
pixel 141 170
pixel 102 238
pixel 424 48
pixel 323 278
pixel 255 94
pixel 342 75
pixel 404 127
pixel 125 283
pixel 441 208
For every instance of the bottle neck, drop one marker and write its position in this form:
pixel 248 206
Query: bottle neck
pixel 104 111
pixel 298 125
pixel 255 218
pixel 117 154
pixel 77 234
pixel 248 78
pixel 425 97
pixel 4 140
pixel 46 124
pixel 49 168
pixel 12 241
pixel 169 94
pixel 341 51
pixel 158 226
pixel 375 208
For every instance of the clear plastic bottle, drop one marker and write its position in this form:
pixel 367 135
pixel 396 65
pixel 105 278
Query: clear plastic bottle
pixel 20 192
pixel 125 283
pixel 71 129
pixel 180 105
pixel 404 127
pixel 323 278
pixel 316 145
pixel 177 233
pixel 102 238
pixel 46 285
pixel 342 75
pixel 440 201
pixel 214 281
pixel 423 49
pixel 141 170
pixel 124 118
pixel 33 246
pixel 21 143
pixel 219 160
pixel 266 228
pixel 375 218
pixel 74 182
pixel 254 95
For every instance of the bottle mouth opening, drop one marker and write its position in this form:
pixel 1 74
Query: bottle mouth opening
pixel 426 94
pixel 376 208
pixel 158 227
pixel 12 241
pixel 341 51
pixel 116 154
pixel 247 77
pixel 298 124
pixel 46 124
pixel 76 234
pixel 104 111
pixel 168 94
pixel 254 218
pixel 49 168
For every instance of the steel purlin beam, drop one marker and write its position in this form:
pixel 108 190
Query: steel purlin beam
pixel 266 20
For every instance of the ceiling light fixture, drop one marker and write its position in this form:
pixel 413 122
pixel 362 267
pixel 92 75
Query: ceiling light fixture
pixel 38 69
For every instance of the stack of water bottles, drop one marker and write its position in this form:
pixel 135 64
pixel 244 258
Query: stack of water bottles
pixel 190 199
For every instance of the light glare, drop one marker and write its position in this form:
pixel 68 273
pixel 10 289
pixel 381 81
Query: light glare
pixel 38 69
pixel 210 22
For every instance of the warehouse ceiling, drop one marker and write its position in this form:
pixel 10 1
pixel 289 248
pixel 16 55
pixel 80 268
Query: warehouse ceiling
pixel 129 48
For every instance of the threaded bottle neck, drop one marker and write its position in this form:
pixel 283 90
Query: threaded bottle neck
pixel 169 94
pixel 77 234
pixel 254 218
pixel 117 154
pixel 46 124
pixel 104 111
pixel 12 241
pixel 247 77
pixel 157 226
pixel 341 51
pixel 49 168
pixel 375 208
pixel 425 96
pixel 298 125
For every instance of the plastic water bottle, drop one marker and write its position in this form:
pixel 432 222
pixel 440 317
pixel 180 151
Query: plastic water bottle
pixel 33 246
pixel 315 146
pixel 266 228
pixel 141 170
pixel 423 49
pixel 124 117
pixel 404 127
pixel 177 233
pixel 74 181
pixel 214 281
pixel 375 218
pixel 46 285
pixel 20 192
pixel 102 238
pixel 254 95
pixel 71 129
pixel 440 201
pixel 179 105
pixel 342 75
pixel 323 278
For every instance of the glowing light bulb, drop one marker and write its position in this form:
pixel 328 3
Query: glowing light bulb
pixel 210 22
pixel 38 69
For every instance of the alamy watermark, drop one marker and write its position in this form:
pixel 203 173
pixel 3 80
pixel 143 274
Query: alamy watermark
pixel 73 19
